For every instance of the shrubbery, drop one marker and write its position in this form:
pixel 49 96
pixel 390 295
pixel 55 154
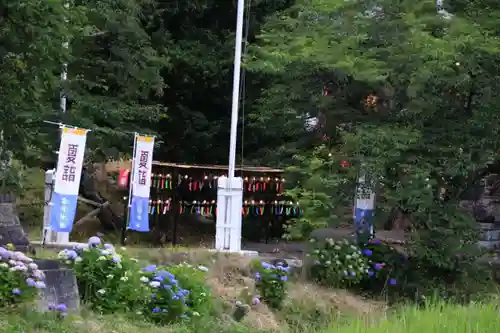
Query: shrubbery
pixel 339 263
pixel 109 281
pixel 370 267
pixel 377 268
pixel 270 281
pixel 193 278
pixel 20 278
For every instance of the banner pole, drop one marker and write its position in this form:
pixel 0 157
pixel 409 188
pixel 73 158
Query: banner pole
pixel 128 201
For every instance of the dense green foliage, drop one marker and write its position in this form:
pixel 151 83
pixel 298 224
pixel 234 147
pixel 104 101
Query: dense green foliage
pixel 20 278
pixel 110 282
pixel 270 281
pixel 405 92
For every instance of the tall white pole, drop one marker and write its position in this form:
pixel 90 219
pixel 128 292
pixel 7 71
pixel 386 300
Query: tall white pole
pixel 236 89
pixel 230 189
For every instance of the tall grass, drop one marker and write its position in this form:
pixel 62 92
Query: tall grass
pixel 440 318
pixel 437 318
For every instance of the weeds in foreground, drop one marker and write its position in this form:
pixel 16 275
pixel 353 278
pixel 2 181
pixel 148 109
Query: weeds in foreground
pixel 442 318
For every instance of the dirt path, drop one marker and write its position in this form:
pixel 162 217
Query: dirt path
pixel 297 249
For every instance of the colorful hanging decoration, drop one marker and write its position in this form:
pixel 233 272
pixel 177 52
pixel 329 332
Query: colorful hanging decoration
pixel 205 208
pixel 264 185
pixel 161 181
pixel 190 184
pixel 159 206
pixel 276 208
pixel 200 192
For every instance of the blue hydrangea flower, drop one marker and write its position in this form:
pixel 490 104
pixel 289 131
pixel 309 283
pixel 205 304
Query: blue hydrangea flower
pixel 116 259
pixel 149 269
pixel 367 252
pixel 266 265
pixel 283 268
pixel 30 282
pixel 94 240
pixel 16 291
pixel 165 274
pixel 156 310
pixel 392 282
pixel 257 276
pixel 283 278
pixel 61 308
pixel 71 254
pixel 159 278
pixel 39 285
pixel 109 247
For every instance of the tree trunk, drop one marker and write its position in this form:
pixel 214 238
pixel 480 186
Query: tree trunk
pixel 88 190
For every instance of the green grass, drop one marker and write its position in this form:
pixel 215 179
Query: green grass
pixel 474 318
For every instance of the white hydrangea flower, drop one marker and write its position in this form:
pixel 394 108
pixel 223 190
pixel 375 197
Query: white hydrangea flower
pixel 154 284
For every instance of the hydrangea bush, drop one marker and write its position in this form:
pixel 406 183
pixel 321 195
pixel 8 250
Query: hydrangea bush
pixel 107 280
pixel 389 267
pixel 339 263
pixel 176 292
pixel 193 278
pixel 20 278
pixel 167 298
pixel 271 282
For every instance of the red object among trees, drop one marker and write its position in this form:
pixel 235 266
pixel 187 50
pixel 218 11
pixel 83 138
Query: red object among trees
pixel 345 164
pixel 123 178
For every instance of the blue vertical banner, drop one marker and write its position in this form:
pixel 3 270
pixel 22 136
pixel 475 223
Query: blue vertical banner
pixel 364 208
pixel 67 180
pixel 141 183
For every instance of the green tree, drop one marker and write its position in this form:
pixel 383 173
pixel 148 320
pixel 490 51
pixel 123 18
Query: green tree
pixel 431 128
pixel 31 37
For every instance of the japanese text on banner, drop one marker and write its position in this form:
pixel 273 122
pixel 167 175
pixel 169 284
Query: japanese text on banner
pixel 141 183
pixel 68 175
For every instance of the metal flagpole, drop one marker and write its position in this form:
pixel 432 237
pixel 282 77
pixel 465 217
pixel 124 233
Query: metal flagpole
pixel 230 190
pixel 236 89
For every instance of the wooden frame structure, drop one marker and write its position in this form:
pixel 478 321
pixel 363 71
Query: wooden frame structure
pixel 178 189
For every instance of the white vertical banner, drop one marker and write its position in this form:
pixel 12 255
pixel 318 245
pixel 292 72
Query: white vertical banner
pixel 141 183
pixel 364 206
pixel 67 179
